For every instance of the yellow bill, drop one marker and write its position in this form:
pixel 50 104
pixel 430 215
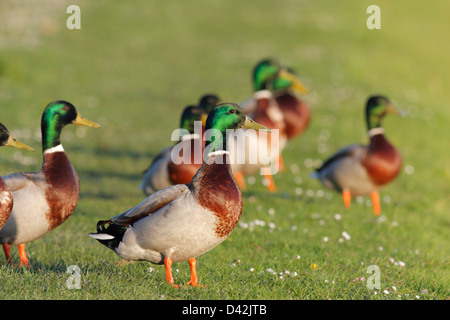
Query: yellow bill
pixel 250 124
pixel 17 144
pixel 296 83
pixel 81 121
pixel 204 117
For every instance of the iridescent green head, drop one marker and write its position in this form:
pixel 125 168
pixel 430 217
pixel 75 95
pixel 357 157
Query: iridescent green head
pixel 56 116
pixel 376 108
pixel 227 116
pixel 287 79
pixel 269 75
pixel 189 116
pixel 263 73
pixel 7 140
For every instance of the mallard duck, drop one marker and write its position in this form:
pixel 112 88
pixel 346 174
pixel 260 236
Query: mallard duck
pixel 364 169
pixel 44 200
pixel 285 111
pixel 184 221
pixel 296 113
pixel 6 199
pixel 260 151
pixel 163 172
pixel 284 84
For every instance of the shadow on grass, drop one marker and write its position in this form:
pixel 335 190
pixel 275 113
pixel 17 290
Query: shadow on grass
pixel 275 195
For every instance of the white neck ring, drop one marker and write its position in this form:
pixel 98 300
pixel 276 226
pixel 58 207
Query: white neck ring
pixel 190 136
pixel 262 94
pixel 217 153
pixel 375 131
pixel 58 148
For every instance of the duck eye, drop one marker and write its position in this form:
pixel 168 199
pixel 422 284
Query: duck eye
pixel 66 108
pixel 232 111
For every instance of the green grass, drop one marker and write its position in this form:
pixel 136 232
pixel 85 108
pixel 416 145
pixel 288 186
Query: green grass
pixel 133 67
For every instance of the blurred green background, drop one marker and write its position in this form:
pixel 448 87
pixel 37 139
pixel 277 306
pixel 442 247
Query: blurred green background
pixel 134 65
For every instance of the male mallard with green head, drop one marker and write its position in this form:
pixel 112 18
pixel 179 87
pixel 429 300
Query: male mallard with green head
pixel 276 105
pixel 44 200
pixel 184 221
pixel 163 172
pixel 284 85
pixel 364 169
pixel 6 199
pixel 261 152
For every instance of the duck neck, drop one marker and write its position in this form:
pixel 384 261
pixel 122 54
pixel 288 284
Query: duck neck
pixel 51 133
pixel 216 140
pixel 375 132
pixel 373 120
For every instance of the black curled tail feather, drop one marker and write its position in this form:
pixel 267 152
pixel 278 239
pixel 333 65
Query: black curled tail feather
pixel 110 228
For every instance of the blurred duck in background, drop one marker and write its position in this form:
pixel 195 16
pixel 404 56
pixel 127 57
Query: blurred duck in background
pixel 163 171
pixel 275 104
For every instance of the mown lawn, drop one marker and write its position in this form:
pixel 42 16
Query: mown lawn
pixel 133 66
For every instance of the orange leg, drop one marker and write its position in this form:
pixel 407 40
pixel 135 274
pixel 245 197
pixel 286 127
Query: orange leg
pixel 23 256
pixel 269 180
pixel 194 279
pixel 280 163
pixel 270 183
pixel 376 202
pixel 6 249
pixel 240 180
pixel 168 267
pixel 347 197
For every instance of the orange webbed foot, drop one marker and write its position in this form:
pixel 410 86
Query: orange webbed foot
pixel 194 279
pixel 23 256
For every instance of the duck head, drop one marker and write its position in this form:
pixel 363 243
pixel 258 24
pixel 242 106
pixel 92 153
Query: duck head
pixel 56 116
pixel 206 103
pixel 265 71
pixel 8 140
pixel 270 75
pixel 377 107
pixel 189 116
pixel 223 117
pixel 287 79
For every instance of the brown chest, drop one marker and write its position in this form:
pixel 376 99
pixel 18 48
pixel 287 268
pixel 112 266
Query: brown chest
pixel 382 161
pixel 191 155
pixel 296 114
pixel 6 202
pixel 63 187
pixel 216 190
